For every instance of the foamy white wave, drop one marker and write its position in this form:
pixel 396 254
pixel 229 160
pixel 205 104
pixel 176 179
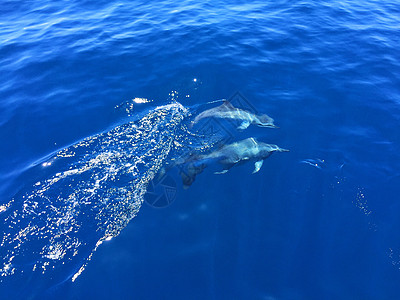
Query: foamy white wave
pixel 97 188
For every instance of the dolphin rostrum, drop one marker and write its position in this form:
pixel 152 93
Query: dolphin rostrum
pixel 228 111
pixel 228 156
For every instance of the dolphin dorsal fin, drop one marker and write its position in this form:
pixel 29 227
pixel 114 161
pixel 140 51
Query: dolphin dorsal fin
pixel 253 140
pixel 227 104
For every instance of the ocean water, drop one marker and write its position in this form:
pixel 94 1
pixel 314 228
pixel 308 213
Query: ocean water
pixel 83 211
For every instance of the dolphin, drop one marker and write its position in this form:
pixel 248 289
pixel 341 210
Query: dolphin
pixel 228 156
pixel 228 111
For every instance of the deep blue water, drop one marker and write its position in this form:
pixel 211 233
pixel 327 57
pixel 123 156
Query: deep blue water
pixel 327 72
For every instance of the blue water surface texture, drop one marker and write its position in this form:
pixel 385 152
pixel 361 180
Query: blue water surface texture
pixel 97 108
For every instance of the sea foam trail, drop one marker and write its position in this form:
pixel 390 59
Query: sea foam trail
pixel 96 187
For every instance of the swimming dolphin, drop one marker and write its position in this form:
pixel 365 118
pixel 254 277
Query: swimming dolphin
pixel 228 156
pixel 228 111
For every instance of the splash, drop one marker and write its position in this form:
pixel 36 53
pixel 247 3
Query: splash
pixel 96 187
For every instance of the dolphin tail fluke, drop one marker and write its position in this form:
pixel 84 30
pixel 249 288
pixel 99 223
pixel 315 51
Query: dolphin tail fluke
pixel 189 172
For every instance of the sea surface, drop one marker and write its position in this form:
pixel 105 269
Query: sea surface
pixel 97 100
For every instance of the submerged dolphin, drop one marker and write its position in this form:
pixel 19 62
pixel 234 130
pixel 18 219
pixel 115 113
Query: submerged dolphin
pixel 228 111
pixel 228 156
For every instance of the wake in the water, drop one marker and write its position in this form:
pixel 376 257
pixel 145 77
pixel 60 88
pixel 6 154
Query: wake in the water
pixel 95 189
pixel 97 186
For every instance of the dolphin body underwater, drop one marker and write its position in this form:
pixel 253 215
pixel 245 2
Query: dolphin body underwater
pixel 228 111
pixel 228 156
